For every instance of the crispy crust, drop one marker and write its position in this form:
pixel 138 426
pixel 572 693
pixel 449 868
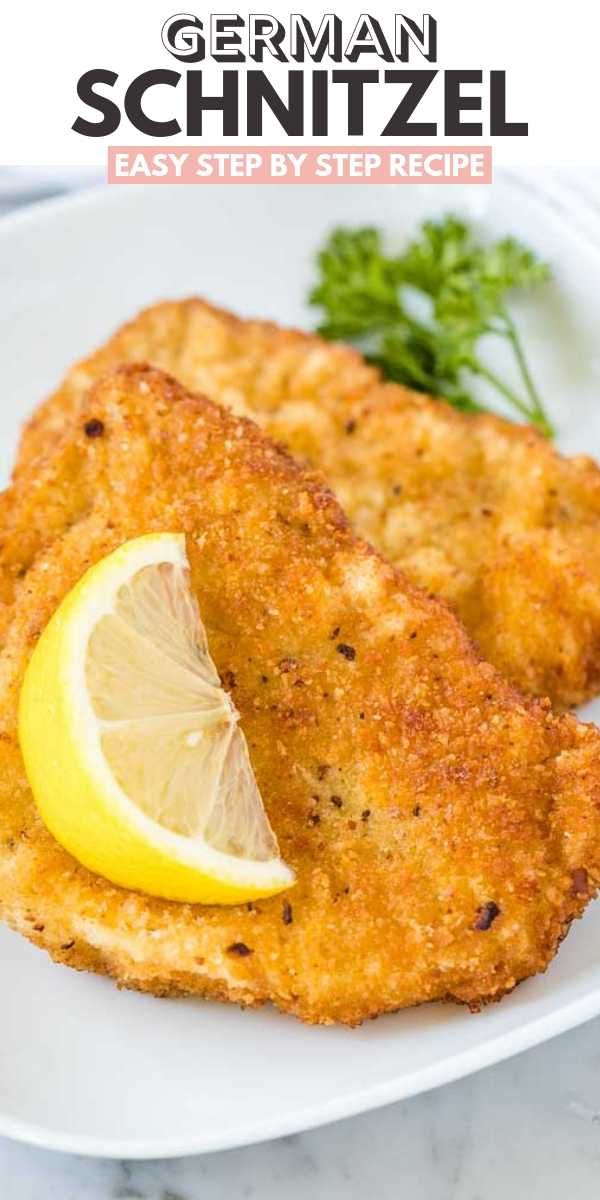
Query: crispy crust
pixel 473 508
pixel 411 787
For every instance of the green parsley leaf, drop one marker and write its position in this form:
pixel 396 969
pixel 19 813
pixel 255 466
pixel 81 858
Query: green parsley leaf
pixel 420 315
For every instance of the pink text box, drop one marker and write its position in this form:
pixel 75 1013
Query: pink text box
pixel 299 164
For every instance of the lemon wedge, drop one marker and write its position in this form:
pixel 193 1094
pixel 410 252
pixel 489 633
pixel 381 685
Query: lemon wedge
pixel 133 749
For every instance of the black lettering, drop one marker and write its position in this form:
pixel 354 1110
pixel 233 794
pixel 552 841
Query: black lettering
pixel 425 39
pixel 355 81
pixel 399 124
pixel 133 103
pixel 327 40
pixel 260 91
pixel 455 103
pixel 368 38
pixel 198 103
pixel 320 104
pixel 111 117
pixel 266 33
pixel 499 126
pixel 182 36
pixel 225 39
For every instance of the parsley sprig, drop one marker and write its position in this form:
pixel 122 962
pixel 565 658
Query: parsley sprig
pixel 377 302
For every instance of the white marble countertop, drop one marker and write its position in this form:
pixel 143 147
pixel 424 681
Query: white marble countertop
pixel 527 1128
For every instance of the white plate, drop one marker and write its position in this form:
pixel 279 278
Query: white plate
pixel 82 1066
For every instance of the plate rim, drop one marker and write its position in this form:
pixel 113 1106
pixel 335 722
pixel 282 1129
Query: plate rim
pixel 448 1070
pixel 555 194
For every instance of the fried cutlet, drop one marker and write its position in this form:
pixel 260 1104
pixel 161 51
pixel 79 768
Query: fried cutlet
pixel 444 829
pixel 473 508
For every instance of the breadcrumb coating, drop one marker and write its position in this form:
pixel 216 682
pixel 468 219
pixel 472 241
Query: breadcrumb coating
pixel 475 509
pixel 444 830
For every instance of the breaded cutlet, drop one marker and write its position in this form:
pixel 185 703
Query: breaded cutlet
pixel 444 830
pixel 473 508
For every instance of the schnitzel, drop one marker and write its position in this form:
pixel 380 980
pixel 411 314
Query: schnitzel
pixel 473 508
pixel 444 830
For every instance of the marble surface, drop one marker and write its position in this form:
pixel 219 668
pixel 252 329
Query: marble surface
pixel 527 1128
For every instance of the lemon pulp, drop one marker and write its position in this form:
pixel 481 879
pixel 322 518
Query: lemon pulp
pixel 132 747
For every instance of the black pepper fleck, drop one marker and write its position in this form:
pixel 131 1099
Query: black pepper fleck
pixel 336 800
pixel 314 819
pixel 348 651
pixel 485 915
pixel 94 428
pixel 334 632
pixel 68 945
pixel 365 814
pixel 287 914
pixel 239 948
pixel 417 810
pixel 350 426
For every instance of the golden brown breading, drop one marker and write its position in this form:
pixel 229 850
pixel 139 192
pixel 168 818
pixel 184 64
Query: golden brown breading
pixel 472 508
pixel 444 830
